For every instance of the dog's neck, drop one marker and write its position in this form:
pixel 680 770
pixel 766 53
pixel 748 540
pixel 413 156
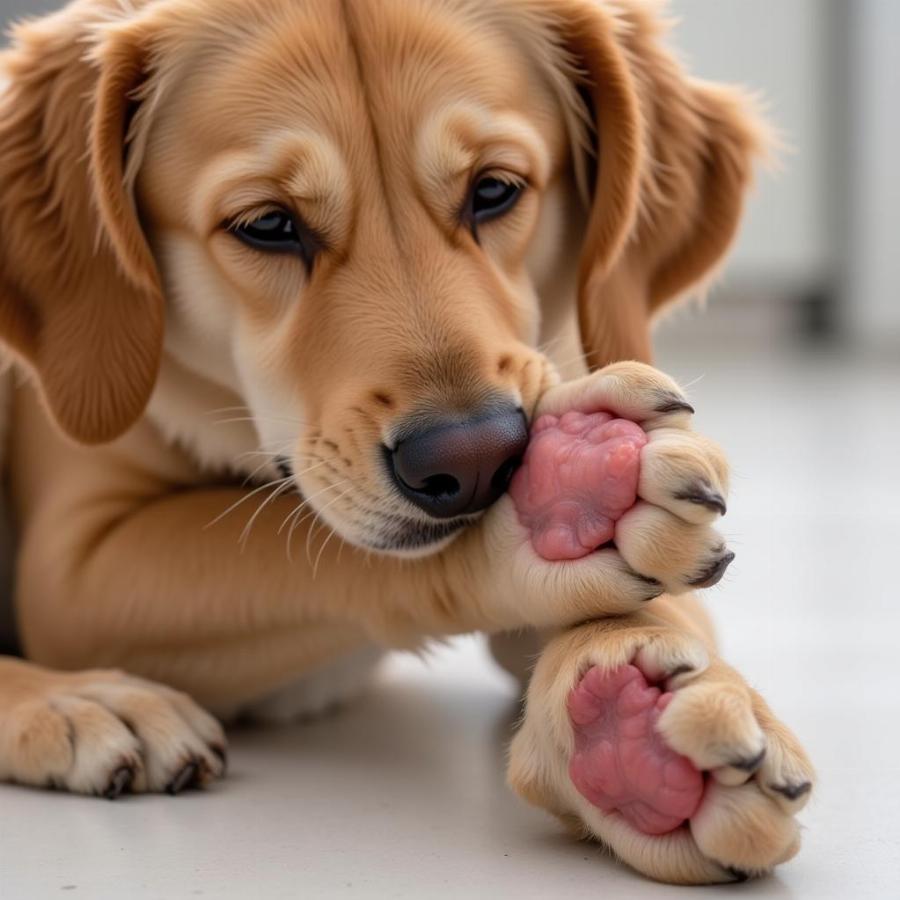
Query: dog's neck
pixel 209 421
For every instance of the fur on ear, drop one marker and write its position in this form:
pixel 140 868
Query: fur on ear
pixel 80 298
pixel 674 159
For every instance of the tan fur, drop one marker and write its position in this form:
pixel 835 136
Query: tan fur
pixel 166 361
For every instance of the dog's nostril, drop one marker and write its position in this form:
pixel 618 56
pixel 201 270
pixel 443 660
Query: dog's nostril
pixel 503 475
pixel 440 486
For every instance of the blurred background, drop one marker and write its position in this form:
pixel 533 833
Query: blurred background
pixel 794 366
pixel 817 258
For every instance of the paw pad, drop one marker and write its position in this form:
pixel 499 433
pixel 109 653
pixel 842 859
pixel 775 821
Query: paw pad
pixel 578 477
pixel 621 762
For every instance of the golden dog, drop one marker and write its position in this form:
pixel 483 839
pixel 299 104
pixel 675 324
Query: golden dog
pixel 269 240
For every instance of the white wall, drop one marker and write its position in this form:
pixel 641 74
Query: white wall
pixel 779 48
pixel 873 304
pixel 14 9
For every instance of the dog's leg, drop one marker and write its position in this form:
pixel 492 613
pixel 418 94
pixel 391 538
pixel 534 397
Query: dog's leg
pixel 142 580
pixel 638 735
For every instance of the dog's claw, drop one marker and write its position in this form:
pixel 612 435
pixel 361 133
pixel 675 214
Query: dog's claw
pixel 683 669
pixel 739 875
pixel 186 778
pixel 670 403
pixel 713 575
pixel 119 783
pixel 792 791
pixel 750 763
pixel 222 755
pixel 655 585
pixel 703 495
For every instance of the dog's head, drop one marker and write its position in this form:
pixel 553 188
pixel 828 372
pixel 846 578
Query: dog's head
pixel 359 219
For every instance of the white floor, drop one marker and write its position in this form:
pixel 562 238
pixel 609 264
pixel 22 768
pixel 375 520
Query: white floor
pixel 402 795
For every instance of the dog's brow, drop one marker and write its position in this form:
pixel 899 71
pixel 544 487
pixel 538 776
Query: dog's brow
pixel 457 140
pixel 306 170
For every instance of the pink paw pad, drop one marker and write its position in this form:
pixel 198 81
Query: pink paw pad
pixel 621 762
pixel 578 477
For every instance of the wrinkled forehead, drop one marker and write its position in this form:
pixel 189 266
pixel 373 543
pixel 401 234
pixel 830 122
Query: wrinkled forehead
pixel 398 78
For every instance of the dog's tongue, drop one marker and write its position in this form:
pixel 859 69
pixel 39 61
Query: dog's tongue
pixel 578 477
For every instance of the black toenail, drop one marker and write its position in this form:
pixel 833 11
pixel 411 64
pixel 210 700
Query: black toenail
pixel 713 575
pixel 187 777
pixel 653 582
pixel 792 791
pixel 222 754
pixel 283 464
pixel 738 874
pixel 749 764
pixel 670 403
pixel 681 670
pixel 119 783
pixel 703 494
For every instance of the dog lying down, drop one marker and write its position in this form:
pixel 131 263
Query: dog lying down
pixel 297 274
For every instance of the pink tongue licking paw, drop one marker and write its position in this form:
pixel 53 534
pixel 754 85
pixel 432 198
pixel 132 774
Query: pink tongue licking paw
pixel 579 475
pixel 620 761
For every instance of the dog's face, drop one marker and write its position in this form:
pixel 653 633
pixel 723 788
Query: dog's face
pixel 353 235
pixel 362 219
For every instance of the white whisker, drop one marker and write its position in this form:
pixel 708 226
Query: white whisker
pixel 244 499
pixel 321 551
pixel 292 516
pixel 245 534
pixel 317 523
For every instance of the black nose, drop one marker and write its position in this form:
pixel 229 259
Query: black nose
pixel 457 467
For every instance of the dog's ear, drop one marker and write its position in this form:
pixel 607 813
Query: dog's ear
pixel 80 298
pixel 673 162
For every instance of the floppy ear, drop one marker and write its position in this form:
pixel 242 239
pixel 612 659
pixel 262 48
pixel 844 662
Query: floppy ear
pixel 674 161
pixel 80 299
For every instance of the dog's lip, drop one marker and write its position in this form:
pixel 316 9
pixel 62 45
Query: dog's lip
pixel 404 533
pixel 416 535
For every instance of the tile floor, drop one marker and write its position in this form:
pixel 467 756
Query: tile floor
pixel 402 796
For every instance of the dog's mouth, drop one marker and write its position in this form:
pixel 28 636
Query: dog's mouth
pixel 408 536
pixel 394 533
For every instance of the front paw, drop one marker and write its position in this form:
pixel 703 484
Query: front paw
pixel 106 733
pixel 666 757
pixel 527 589
pixel 612 461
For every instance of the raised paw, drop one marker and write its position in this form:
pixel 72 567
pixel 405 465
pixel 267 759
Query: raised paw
pixel 612 461
pixel 105 733
pixel 578 477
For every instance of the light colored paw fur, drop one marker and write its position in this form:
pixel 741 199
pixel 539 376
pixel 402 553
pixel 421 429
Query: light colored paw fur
pixel 103 733
pixel 761 776
pixel 664 543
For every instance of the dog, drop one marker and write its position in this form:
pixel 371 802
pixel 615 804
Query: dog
pixel 267 268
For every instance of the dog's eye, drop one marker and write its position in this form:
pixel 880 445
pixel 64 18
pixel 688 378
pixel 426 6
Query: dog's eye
pixel 277 232
pixel 492 197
